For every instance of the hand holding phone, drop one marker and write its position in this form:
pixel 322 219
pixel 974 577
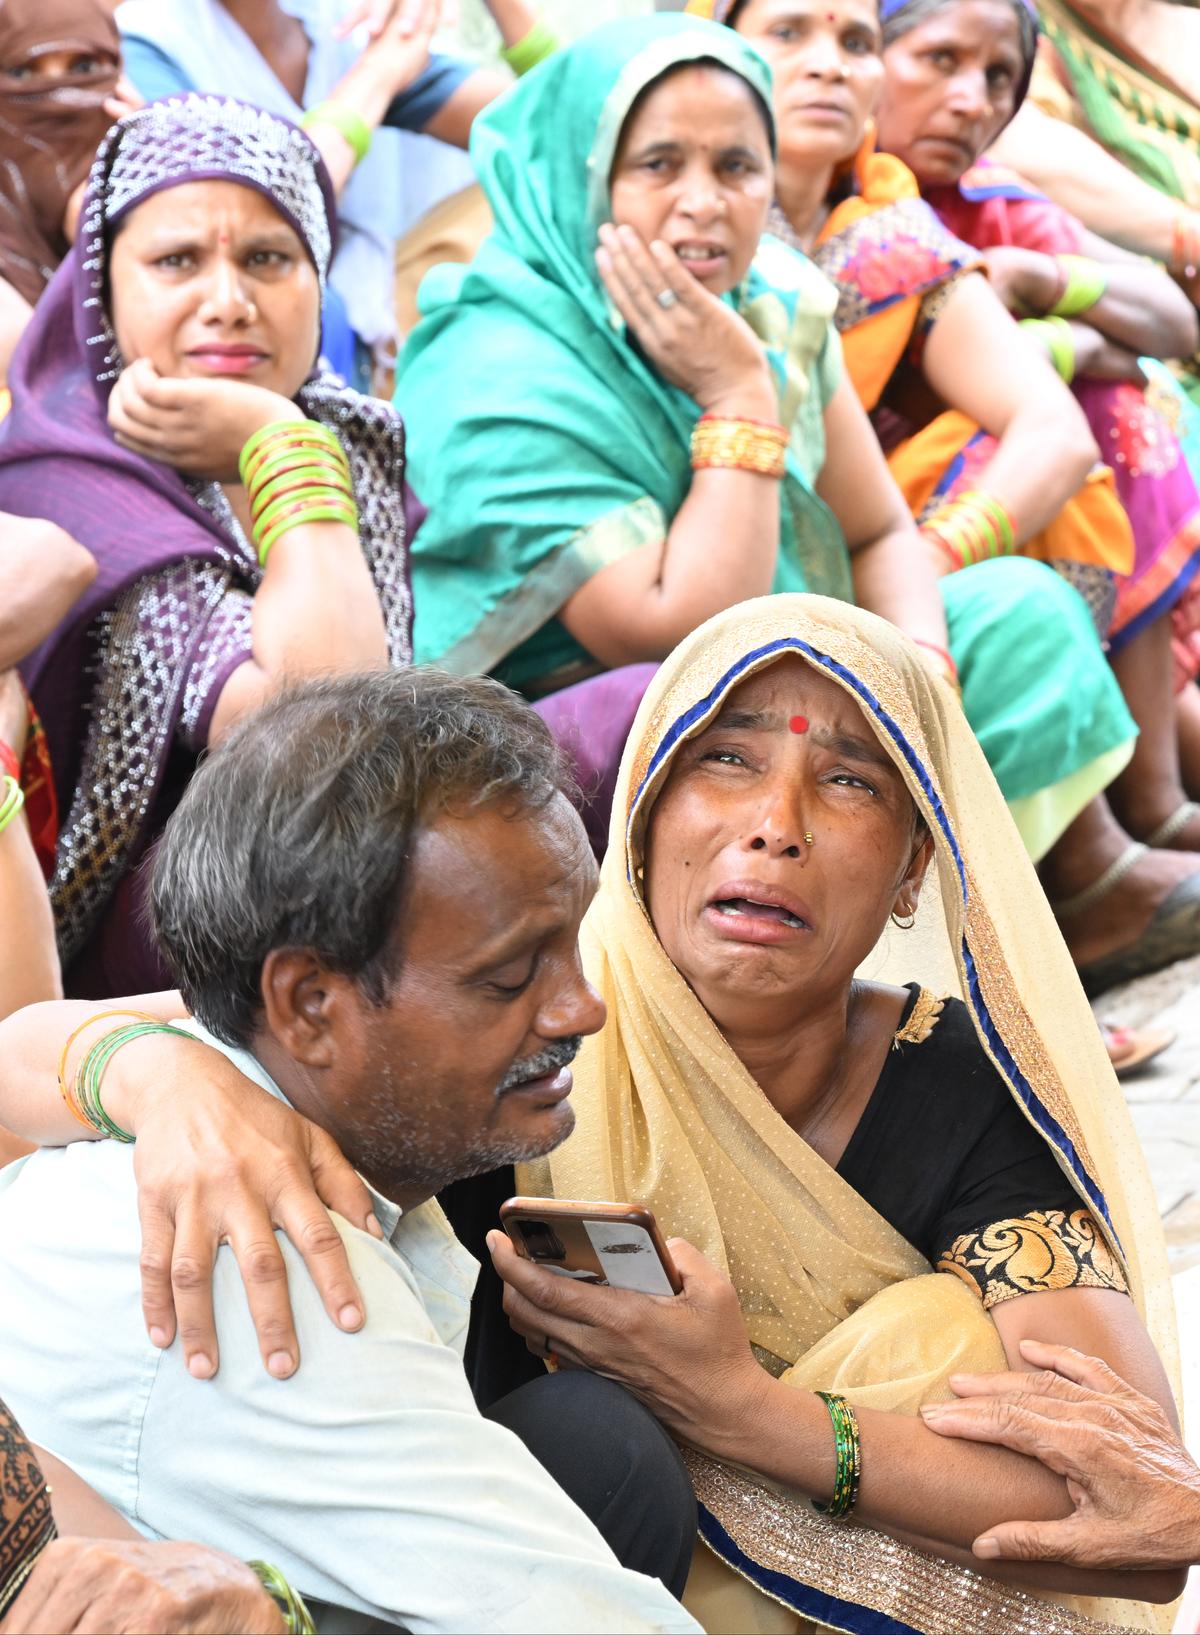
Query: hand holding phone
pixel 613 1245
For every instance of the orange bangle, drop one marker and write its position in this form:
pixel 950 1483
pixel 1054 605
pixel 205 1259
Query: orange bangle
pixel 68 1095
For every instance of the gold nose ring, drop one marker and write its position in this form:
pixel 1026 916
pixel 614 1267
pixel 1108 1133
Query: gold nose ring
pixel 808 839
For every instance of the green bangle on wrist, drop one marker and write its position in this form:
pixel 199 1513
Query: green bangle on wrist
pixel 1055 334
pixel 12 799
pixel 348 123
pixel 296 1616
pixel 541 42
pixel 1086 284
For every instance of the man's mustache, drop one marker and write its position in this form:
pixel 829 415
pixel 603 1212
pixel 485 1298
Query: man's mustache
pixel 558 1054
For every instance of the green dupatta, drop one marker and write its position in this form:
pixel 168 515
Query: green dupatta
pixel 543 443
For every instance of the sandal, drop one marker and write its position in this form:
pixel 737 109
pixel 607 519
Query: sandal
pixel 1132 1048
pixel 1173 934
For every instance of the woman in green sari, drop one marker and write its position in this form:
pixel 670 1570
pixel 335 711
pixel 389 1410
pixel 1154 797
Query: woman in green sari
pixel 552 395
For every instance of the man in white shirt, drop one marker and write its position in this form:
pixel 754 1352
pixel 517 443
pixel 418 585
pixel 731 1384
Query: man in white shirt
pixel 370 896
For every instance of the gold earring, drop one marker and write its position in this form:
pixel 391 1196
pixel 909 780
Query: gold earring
pixel 904 925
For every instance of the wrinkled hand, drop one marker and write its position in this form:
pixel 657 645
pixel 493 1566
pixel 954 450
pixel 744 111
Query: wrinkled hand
pixel 1135 1489
pixel 197 426
pixel 218 1160
pixel 108 1587
pixel 685 1356
pixel 699 343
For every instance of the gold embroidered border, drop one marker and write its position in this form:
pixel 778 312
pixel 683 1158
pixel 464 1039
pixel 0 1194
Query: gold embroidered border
pixel 1029 1254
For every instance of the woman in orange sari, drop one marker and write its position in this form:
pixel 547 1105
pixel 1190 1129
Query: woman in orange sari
pixel 935 357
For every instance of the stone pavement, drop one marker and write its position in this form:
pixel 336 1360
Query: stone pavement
pixel 1164 1099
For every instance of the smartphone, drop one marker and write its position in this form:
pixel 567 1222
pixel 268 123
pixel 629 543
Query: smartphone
pixel 617 1246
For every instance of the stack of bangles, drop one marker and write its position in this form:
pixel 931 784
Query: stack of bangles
pixel 12 799
pixel 82 1093
pixel 295 472
pixel 739 445
pixel 297 1619
pixel 848 1448
pixel 971 528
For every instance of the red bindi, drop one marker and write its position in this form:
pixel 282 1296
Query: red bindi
pixel 799 723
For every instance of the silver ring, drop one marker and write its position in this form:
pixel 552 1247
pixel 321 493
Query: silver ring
pixel 667 299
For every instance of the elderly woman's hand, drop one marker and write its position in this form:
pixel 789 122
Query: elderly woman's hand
pixel 686 1356
pixel 83 1584
pixel 197 426
pixel 1135 1488
pixel 696 341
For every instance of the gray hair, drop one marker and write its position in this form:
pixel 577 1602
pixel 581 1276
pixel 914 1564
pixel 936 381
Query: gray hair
pixel 298 830
pixel 915 12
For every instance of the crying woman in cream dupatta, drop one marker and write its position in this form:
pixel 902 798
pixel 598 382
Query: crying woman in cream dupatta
pixel 834 1263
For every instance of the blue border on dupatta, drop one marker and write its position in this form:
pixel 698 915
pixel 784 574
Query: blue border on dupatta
pixel 1041 1115
pixel 828 1610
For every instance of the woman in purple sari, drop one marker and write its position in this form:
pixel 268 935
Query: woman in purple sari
pixel 185 322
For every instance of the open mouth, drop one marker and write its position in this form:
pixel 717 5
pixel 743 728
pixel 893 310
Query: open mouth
pixel 700 258
pixel 748 908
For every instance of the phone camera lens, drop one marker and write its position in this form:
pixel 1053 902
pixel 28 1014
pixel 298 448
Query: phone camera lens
pixel 541 1241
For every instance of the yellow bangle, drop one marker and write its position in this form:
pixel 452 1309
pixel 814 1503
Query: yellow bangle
pixel 739 445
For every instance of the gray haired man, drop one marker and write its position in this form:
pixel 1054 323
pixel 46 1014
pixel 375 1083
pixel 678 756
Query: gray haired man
pixel 370 896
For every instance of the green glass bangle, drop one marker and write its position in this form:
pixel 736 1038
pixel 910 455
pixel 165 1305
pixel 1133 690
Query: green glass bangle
pixel 1055 335
pixel 290 458
pixel 346 514
pixel 296 1616
pixel 541 42
pixel 312 494
pixel 298 428
pixel 290 483
pixel 1007 539
pixel 849 1457
pixel 91 1071
pixel 12 802
pixel 1087 281
pixel 348 123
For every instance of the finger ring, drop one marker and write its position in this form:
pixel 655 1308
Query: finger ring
pixel 667 299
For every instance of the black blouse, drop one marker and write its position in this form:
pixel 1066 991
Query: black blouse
pixel 944 1153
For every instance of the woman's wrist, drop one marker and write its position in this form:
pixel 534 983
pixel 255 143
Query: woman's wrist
pixel 752 398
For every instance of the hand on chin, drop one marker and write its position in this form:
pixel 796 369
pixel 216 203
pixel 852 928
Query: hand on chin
pixel 196 423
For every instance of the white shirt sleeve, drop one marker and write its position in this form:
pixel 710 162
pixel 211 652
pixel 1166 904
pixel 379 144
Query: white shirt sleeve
pixel 370 1478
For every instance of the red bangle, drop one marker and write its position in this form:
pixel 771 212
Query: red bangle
pixel 919 641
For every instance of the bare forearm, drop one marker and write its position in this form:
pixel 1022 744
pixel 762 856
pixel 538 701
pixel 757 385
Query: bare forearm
pixel 911 1487
pixel 1077 173
pixel 316 611
pixel 1043 458
pixel 29 969
pixel 895 577
pixel 1146 311
pixel 721 549
pixel 39 588
pixel 514 19
pixel 31 1043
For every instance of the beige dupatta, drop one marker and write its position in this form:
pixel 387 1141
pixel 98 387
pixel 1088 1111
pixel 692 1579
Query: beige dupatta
pixel 833 1295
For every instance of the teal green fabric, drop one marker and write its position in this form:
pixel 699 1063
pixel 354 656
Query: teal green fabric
pixel 542 442
pixel 1037 689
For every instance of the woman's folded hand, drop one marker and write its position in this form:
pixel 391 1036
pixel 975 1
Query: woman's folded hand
pixel 687 1356
pixel 198 426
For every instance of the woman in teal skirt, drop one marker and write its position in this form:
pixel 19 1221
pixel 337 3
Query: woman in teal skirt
pixel 624 416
